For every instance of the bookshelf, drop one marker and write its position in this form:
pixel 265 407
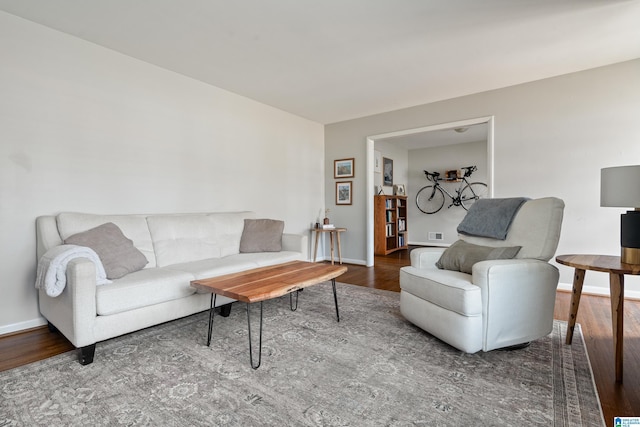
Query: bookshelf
pixel 390 224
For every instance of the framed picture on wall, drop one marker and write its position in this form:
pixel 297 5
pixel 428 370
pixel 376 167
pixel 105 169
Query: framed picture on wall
pixel 387 171
pixel 343 193
pixel 343 168
pixel 377 162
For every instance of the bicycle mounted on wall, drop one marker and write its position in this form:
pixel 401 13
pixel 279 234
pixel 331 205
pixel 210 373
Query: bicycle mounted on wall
pixel 430 198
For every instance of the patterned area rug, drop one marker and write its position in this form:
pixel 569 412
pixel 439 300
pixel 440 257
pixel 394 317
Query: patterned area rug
pixel 371 368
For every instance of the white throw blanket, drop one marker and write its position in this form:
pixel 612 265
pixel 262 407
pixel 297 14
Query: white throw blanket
pixel 52 267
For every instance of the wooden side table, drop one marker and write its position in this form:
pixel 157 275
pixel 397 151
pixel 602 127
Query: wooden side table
pixel 616 270
pixel 332 232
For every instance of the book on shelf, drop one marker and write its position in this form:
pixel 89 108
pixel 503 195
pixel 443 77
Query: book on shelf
pixel 328 226
pixel 390 230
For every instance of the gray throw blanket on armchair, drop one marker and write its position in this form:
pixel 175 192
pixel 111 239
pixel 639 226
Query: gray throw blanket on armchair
pixel 491 217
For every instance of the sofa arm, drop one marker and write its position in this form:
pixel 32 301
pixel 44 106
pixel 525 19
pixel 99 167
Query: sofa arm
pixel 518 299
pixel 296 243
pixel 73 312
pixel 425 257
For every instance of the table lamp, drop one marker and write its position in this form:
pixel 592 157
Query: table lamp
pixel 620 187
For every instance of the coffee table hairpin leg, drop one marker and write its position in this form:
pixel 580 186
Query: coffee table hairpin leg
pixel 260 343
pixel 335 298
pixel 293 308
pixel 212 308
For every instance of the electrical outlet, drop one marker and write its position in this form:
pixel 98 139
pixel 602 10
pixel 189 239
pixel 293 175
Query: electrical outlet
pixel 436 235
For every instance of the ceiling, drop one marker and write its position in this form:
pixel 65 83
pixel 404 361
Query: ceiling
pixel 436 138
pixel 334 60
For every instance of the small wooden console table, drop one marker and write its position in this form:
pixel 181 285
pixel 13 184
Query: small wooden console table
pixel 616 270
pixel 332 232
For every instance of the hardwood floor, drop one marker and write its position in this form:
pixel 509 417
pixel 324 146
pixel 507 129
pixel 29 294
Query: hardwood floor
pixel 594 317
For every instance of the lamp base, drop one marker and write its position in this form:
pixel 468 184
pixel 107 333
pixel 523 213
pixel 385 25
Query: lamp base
pixel 630 256
pixel 630 237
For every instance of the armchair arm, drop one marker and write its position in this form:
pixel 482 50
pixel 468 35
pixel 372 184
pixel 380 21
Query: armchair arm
pixel 73 312
pixel 425 257
pixel 518 298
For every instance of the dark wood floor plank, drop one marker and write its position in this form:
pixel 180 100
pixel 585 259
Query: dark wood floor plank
pixel 29 346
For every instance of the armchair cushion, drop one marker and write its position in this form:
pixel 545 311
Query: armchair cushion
pixel 461 256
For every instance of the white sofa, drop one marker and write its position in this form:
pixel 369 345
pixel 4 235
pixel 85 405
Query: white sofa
pixel 503 302
pixel 179 248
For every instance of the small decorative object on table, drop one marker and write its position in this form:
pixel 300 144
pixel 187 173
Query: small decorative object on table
pixel 326 217
pixel 399 190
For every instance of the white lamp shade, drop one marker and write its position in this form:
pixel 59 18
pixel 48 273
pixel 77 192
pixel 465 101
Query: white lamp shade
pixel 620 186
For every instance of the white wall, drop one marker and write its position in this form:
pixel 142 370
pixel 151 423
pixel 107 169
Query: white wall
pixel 551 138
pixel 86 129
pixel 440 159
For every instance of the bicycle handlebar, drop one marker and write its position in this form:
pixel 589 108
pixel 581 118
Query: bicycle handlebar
pixel 432 176
pixel 469 170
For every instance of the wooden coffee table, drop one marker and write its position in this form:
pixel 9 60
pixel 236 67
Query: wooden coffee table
pixel 265 283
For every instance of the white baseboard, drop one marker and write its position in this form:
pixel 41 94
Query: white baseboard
pixel 21 326
pixel 344 260
pixel 354 261
pixel 598 290
pixel 430 243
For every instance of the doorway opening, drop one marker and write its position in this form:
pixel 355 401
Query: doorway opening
pixel 411 138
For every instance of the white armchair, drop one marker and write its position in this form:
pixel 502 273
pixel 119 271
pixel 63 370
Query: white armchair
pixel 502 303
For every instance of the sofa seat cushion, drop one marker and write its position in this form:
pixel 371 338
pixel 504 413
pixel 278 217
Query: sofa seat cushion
pixel 451 290
pixel 213 267
pixel 143 288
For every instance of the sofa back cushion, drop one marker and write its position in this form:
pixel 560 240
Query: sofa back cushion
pixel 191 237
pixel 133 227
pixel 536 228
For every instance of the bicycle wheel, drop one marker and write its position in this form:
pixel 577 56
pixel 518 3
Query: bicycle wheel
pixel 473 192
pixel 430 199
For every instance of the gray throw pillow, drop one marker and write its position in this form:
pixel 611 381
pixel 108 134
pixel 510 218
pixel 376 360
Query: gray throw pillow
pixel 261 235
pixel 461 255
pixel 117 253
